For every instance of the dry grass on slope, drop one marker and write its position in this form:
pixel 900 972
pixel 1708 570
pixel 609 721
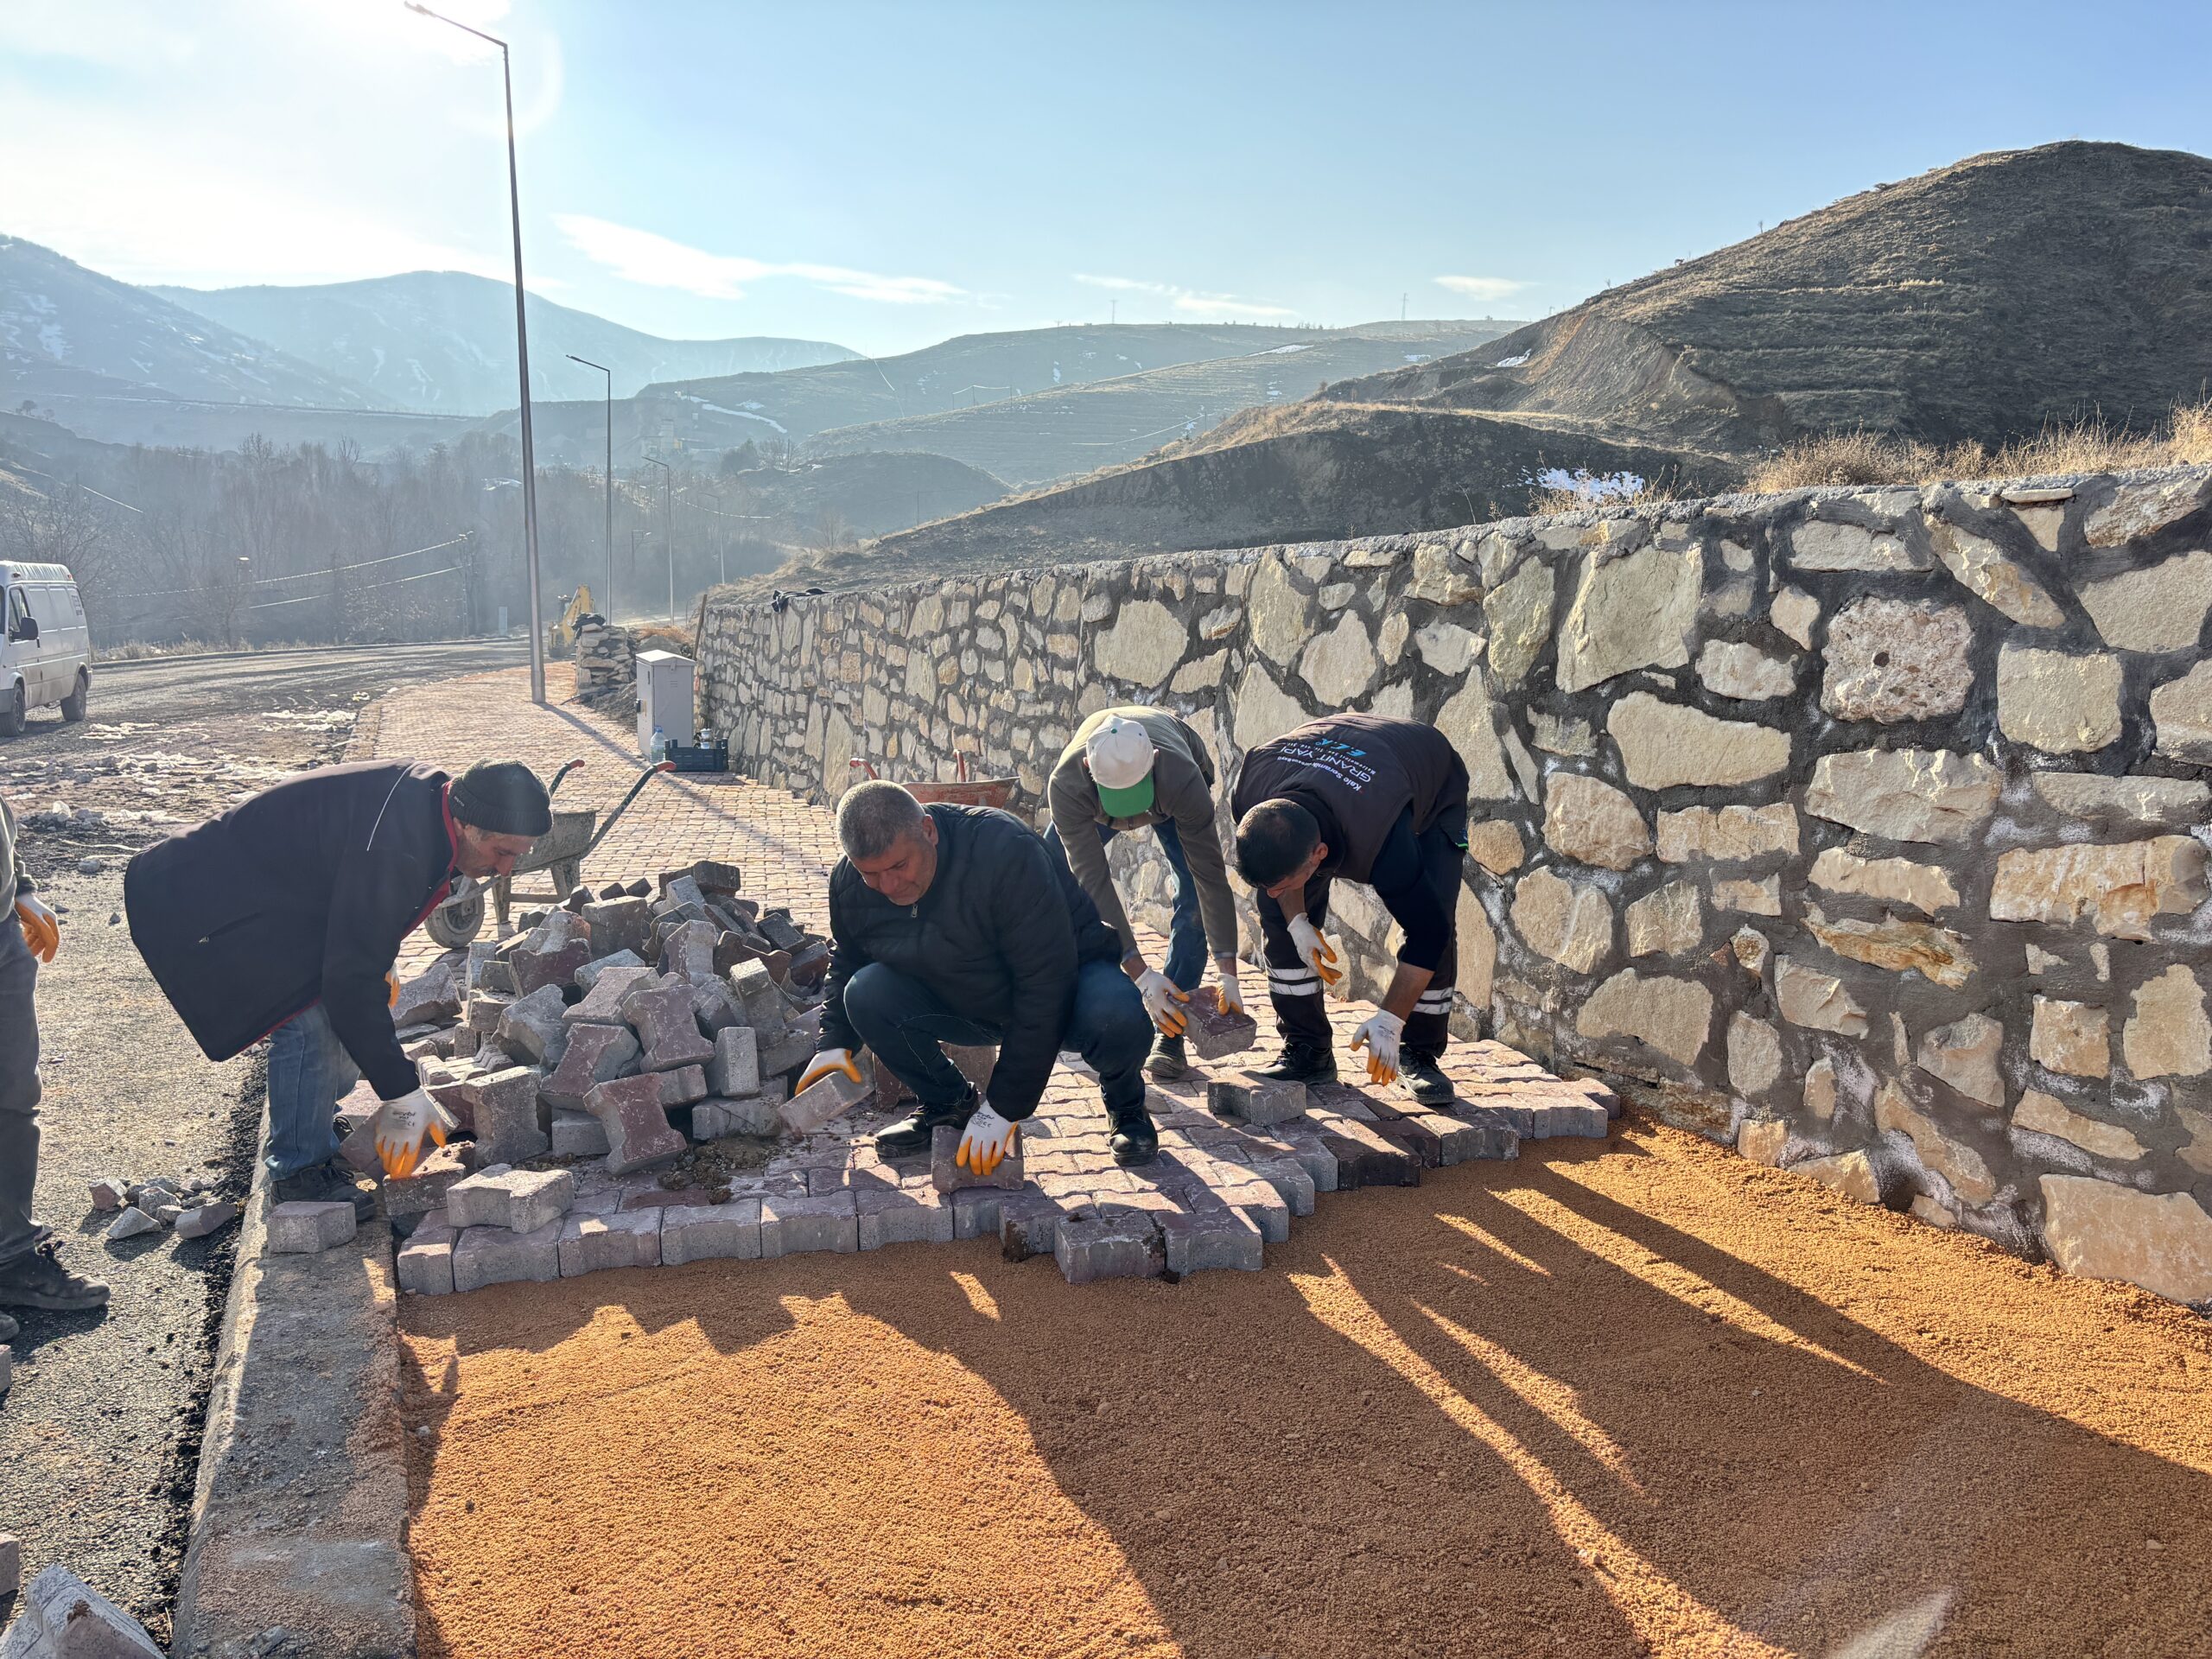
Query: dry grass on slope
pixel 2089 446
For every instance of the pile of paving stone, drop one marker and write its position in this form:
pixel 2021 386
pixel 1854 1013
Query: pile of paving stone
pixel 620 1070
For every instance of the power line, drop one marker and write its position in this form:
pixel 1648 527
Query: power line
pixel 367 587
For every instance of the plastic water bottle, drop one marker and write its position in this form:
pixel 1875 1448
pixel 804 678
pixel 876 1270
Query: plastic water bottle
pixel 659 746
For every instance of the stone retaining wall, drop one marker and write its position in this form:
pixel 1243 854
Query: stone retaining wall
pixel 1862 828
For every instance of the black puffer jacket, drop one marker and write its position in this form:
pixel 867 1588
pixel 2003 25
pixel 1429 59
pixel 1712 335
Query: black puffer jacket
pixel 300 895
pixel 998 936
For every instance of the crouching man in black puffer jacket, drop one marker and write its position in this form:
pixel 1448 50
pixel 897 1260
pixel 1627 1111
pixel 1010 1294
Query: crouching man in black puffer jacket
pixel 954 924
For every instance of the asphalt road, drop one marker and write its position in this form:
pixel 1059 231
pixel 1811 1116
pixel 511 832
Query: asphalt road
pixel 99 1435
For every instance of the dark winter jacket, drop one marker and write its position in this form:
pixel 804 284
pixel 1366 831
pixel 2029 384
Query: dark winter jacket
pixel 300 895
pixel 1356 773
pixel 998 937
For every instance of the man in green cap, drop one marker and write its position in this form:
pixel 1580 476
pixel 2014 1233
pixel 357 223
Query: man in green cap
pixel 283 918
pixel 1128 769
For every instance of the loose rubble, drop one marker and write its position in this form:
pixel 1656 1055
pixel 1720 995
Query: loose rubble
pixel 63 1617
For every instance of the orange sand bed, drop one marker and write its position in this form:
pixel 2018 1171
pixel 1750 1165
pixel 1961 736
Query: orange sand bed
pixel 1641 1397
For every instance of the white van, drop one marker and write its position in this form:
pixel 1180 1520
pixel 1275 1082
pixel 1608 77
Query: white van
pixel 46 652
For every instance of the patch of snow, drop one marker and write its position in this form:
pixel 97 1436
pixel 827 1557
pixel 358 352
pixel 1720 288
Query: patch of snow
pixel 1056 374
pixel 1593 487
pixel 1513 362
pixel 1416 357
pixel 1281 351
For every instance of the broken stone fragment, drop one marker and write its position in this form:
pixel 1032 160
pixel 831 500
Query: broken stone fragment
pixel 61 1617
pixel 309 1229
pixel 132 1223
pixel 712 1119
pixel 433 996
pixel 108 1192
pixel 1256 1103
pixel 714 1006
pixel 203 1219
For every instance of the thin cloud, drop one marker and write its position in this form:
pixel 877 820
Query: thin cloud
pixel 1482 288
pixel 656 261
pixel 1189 301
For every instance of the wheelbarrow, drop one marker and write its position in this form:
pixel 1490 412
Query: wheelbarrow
pixel 964 792
pixel 561 851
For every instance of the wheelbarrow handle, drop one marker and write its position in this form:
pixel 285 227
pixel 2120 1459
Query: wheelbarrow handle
pixel 608 823
pixel 864 766
pixel 567 767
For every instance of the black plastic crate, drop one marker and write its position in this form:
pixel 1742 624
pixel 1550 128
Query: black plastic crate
pixel 691 758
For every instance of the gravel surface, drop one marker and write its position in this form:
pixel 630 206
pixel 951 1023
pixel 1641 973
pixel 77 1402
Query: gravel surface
pixel 99 1438
pixel 1647 1398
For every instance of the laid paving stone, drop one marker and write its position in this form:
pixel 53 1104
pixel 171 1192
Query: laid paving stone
pixel 578 1134
pixel 1257 1103
pixel 509 1119
pixel 1097 1247
pixel 628 1238
pixel 424 1191
pixel 639 1134
pixel 734 1069
pixel 425 1259
pixel 495 1256
pixel 596 1054
pixel 902 1216
pixel 520 1200
pixel 1221 1239
pixel 662 1018
pixel 829 1221
pixel 710 1232
pixel 203 1219
pixel 602 1002
pixel 534 1027
pixel 309 1229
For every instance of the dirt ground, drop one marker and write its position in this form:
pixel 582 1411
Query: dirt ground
pixel 1642 1397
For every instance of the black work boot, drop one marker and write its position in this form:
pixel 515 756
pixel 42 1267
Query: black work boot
pixel 1135 1139
pixel 37 1279
pixel 325 1184
pixel 1424 1076
pixel 1168 1062
pixel 1299 1062
pixel 911 1133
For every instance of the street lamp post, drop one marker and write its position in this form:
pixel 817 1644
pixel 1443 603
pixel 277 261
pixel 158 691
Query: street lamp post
pixel 668 511
pixel 522 359
pixel 609 373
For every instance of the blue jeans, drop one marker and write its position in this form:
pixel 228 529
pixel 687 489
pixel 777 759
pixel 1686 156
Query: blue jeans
pixel 904 1021
pixel 1186 928
pixel 309 1072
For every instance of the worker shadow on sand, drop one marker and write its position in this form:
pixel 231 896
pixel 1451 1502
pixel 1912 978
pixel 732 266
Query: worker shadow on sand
pixel 1502 1413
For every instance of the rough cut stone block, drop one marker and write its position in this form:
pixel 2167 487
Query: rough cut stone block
pixel 1214 1035
pixel 682 1086
pixel 494 1256
pixel 63 1618
pixel 425 1190
pixel 521 1200
pixel 710 1232
pixel 828 1221
pixel 947 1176
pixel 662 1019
pixel 902 1216
pixel 823 1102
pixel 602 1004
pixel 637 1131
pixel 510 1121
pixel 596 1054
pixel 535 1027
pixel 203 1219
pixel 712 1119
pixel 1257 1103
pixel 734 1070
pixel 628 1238
pixel 309 1229
pixel 1124 1246
pixel 578 1134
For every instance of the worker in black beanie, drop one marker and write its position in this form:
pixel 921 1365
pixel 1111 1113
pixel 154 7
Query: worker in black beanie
pixel 283 919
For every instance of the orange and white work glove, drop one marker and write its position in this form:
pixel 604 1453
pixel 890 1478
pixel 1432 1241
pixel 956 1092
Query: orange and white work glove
pixel 1315 952
pixel 1379 1037
pixel 829 1060
pixel 41 931
pixel 1161 1001
pixel 988 1141
pixel 400 1126
pixel 1229 994
pixel 391 990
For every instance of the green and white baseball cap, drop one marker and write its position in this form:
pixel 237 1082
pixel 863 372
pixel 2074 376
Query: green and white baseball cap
pixel 1120 754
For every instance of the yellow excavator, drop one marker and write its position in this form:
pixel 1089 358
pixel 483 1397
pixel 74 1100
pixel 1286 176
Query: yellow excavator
pixel 561 638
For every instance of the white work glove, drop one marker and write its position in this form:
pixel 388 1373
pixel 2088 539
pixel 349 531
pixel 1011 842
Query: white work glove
pixel 1379 1037
pixel 1229 995
pixel 988 1141
pixel 1160 998
pixel 1313 950
pixel 400 1126
pixel 829 1060
pixel 41 931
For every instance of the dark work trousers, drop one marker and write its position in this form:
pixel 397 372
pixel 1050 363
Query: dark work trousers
pixel 907 1025
pixel 19 1089
pixel 1295 989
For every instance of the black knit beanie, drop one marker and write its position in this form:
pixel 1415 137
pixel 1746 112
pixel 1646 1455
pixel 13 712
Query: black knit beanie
pixel 503 797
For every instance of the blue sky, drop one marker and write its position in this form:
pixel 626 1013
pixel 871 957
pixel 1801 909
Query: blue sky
pixel 887 176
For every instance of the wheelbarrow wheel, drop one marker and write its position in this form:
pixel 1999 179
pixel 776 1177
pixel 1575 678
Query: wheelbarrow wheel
pixel 457 924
